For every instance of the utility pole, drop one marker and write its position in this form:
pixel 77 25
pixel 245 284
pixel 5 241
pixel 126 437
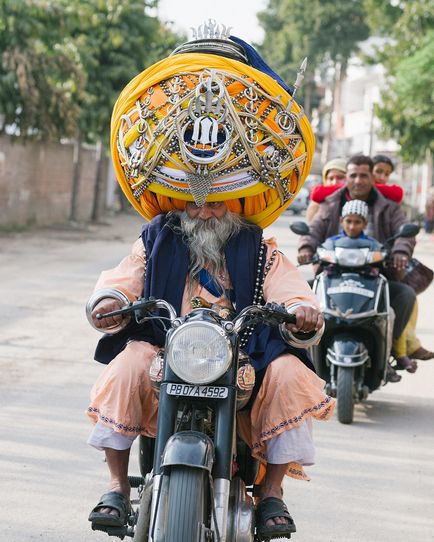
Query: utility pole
pixel 76 172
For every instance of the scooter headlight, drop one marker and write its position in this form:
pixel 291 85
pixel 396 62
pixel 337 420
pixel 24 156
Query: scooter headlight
pixel 326 255
pixel 376 256
pixel 352 257
pixel 199 352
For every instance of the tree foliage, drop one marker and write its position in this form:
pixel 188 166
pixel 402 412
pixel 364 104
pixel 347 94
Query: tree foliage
pixel 64 62
pixel 406 111
pixel 116 40
pixel 41 78
pixel 326 31
pixel 382 15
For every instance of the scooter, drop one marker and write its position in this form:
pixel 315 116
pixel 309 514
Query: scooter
pixel 354 351
pixel 197 476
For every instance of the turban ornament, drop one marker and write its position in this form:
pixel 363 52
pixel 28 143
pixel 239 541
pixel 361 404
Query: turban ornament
pixel 202 127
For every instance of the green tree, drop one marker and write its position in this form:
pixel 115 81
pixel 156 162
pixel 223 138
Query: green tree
pixel 407 111
pixel 41 76
pixel 116 41
pixel 382 15
pixel 63 63
pixel 326 31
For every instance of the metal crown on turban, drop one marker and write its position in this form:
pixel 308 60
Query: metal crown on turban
pixel 206 125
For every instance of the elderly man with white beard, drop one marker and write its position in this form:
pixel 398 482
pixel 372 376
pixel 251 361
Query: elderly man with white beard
pixel 211 252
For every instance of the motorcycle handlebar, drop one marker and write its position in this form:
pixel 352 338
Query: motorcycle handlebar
pixel 270 313
pixel 313 260
pixel 141 305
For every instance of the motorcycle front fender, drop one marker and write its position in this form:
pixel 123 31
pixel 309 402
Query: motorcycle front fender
pixel 190 449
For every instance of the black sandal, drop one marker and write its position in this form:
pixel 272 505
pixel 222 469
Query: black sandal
pixel 115 501
pixel 392 375
pixel 270 508
pixel 404 363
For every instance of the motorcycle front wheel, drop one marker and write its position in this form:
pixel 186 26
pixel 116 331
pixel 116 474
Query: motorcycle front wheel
pixel 187 504
pixel 345 396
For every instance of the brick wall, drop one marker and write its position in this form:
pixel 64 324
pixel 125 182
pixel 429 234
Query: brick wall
pixel 36 183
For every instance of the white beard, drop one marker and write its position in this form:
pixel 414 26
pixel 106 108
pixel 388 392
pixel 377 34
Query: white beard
pixel 206 240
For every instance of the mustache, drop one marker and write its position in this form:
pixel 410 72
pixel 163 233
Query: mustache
pixel 206 240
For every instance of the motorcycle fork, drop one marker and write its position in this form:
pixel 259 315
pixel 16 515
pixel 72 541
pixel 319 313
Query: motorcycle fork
pixel 220 482
pixel 165 428
pixel 333 384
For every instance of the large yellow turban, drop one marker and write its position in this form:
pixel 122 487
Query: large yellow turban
pixel 202 127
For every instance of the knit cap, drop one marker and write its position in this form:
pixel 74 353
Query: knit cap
pixel 337 163
pixel 355 207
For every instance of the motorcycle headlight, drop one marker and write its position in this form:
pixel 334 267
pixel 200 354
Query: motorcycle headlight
pixel 351 257
pixel 199 352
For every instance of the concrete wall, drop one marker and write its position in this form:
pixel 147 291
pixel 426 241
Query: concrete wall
pixel 36 183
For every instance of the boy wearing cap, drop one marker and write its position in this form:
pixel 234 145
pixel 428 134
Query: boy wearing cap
pixel 354 219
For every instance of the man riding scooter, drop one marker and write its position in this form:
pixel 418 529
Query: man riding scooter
pixel 384 220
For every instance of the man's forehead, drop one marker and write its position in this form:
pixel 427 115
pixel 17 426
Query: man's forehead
pixel 358 168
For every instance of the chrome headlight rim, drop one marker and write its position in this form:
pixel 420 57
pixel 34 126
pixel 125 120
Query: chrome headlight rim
pixel 183 374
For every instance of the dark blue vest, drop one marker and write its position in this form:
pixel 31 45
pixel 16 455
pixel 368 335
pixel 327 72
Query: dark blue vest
pixel 166 273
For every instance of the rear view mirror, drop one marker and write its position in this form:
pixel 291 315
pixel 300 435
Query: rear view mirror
pixel 299 228
pixel 405 230
pixel 408 230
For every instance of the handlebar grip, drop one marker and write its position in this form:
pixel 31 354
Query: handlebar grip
pixel 290 318
pixel 139 305
pixel 100 316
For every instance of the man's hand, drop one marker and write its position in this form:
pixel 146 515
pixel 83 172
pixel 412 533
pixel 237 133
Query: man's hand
pixel 305 255
pixel 308 319
pixel 400 261
pixel 104 306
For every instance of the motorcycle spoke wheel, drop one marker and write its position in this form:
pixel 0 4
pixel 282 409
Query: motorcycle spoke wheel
pixel 345 396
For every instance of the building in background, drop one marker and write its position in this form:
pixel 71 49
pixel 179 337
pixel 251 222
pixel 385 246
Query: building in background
pixel 354 128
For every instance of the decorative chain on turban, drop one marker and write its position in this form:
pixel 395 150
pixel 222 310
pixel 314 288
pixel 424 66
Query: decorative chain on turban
pixel 202 127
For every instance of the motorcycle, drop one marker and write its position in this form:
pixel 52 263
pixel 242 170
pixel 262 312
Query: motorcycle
pixel 354 351
pixel 197 476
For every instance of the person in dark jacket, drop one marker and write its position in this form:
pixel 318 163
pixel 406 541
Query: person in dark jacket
pixel 384 220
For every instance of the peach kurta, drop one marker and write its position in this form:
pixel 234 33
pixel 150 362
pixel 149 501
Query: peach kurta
pixel 123 399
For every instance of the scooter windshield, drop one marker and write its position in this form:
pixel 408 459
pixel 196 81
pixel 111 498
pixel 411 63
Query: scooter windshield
pixel 350 293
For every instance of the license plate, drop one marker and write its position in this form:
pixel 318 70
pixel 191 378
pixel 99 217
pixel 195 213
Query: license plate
pixel 190 390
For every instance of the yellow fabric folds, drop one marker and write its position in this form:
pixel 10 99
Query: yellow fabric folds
pixel 260 203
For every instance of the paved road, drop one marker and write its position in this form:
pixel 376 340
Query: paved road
pixel 373 481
